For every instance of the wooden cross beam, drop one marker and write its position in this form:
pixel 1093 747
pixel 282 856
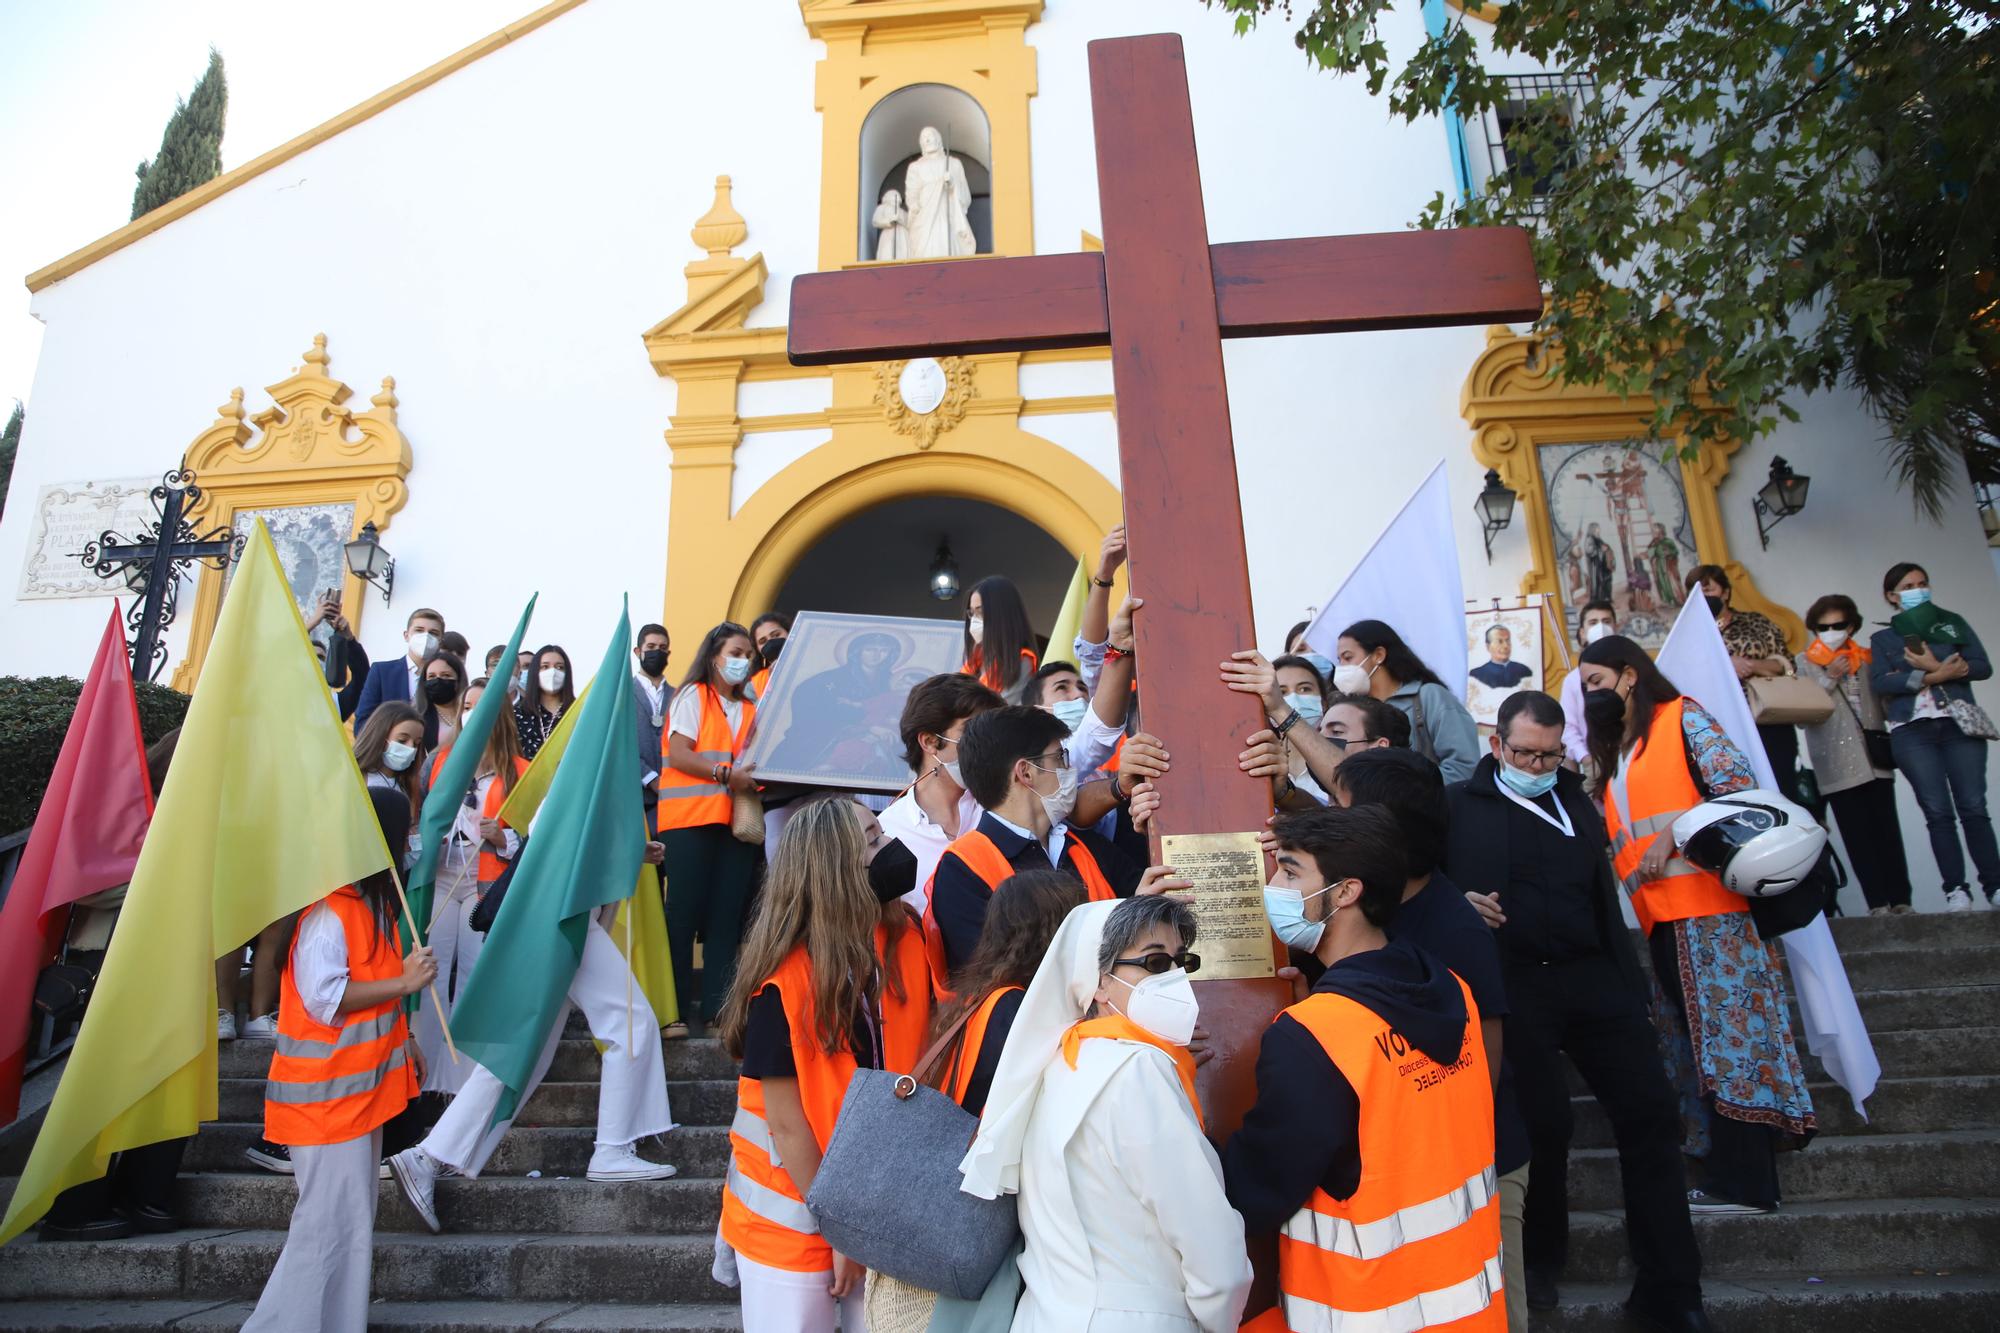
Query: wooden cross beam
pixel 1163 299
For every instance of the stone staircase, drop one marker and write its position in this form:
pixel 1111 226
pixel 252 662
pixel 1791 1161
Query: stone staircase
pixel 1891 1225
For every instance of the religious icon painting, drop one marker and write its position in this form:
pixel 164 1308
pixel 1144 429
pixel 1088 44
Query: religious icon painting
pixel 1618 512
pixel 311 541
pixel 1503 654
pixel 833 709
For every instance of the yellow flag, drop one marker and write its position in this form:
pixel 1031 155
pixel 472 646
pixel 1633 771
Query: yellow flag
pixel 650 962
pixel 263 813
pixel 1062 636
pixel 518 810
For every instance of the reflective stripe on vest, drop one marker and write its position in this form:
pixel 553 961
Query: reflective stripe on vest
pixel 764 1216
pixel 687 801
pixel 1429 1309
pixel 1652 788
pixel 332 1083
pixel 1417 1245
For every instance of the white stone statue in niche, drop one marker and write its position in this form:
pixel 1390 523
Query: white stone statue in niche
pixel 893 226
pixel 937 196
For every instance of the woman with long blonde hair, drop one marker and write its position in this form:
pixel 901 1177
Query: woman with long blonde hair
pixel 804 1011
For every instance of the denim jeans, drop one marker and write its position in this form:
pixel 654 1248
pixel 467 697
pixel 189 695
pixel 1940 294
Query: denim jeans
pixel 1947 771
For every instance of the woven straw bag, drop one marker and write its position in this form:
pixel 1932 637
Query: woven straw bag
pixel 894 1306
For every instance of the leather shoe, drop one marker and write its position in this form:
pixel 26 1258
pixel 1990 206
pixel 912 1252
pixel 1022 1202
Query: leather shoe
pixel 146 1218
pixel 99 1228
pixel 1668 1321
pixel 1542 1292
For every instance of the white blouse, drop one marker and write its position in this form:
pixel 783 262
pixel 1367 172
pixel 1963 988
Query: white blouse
pixel 319 964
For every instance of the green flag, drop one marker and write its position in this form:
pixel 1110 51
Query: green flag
pixel 453 781
pixel 588 842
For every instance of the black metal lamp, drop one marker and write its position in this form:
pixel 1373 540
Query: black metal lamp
pixel 1779 498
pixel 367 561
pixel 1495 507
pixel 944 573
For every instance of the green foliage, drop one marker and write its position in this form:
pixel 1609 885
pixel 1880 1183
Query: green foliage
pixel 1750 200
pixel 34 718
pixel 10 445
pixel 191 149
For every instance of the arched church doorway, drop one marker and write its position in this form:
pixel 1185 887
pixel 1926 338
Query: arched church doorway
pixel 879 562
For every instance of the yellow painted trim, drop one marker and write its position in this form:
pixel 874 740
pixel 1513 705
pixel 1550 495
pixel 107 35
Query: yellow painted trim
pixel 1514 407
pixel 880 47
pixel 144 226
pixel 309 448
pixel 1054 355
pixel 1483 10
pixel 1085 402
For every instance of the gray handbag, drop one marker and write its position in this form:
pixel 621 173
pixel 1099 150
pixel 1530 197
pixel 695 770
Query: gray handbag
pixel 887 1194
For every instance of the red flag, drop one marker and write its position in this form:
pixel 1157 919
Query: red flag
pixel 86 839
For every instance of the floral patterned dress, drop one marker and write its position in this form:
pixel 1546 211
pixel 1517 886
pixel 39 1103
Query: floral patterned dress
pixel 1733 1054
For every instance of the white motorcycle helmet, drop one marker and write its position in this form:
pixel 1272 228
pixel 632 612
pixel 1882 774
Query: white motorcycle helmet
pixel 1757 842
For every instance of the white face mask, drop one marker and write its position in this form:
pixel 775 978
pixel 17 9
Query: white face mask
pixel 422 643
pixel 1833 638
pixel 397 756
pixel 736 670
pixel 1164 1005
pixel 976 627
pixel 552 679
pixel 1059 805
pixel 1350 679
pixel 1070 712
pixel 950 766
pixel 1596 630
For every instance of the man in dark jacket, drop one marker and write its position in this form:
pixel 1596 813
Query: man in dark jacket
pixel 1529 848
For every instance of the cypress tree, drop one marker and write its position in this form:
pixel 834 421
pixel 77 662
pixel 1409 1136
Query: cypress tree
pixel 191 149
pixel 10 443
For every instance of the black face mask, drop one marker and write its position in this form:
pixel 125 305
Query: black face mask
pixel 769 652
pixel 440 691
pixel 893 872
pixel 653 661
pixel 1603 707
pixel 1716 606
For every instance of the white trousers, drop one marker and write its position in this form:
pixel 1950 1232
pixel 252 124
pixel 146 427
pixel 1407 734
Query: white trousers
pixel 321 1282
pixel 632 1094
pixel 455 944
pixel 777 1300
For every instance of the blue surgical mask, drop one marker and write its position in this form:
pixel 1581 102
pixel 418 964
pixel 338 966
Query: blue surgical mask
pixel 1285 909
pixel 521 680
pixel 1525 783
pixel 736 670
pixel 1321 663
pixel 1912 598
pixel 1070 712
pixel 1309 707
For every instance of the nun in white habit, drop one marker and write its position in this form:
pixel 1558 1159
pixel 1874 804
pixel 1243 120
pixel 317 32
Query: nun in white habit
pixel 1092 1120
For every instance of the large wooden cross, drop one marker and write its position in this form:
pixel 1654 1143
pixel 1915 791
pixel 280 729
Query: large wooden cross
pixel 1163 298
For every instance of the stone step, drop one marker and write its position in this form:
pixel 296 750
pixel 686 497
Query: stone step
pixel 1805 1303
pixel 1950 1164
pixel 1932 968
pixel 576 1060
pixel 1911 1008
pixel 707 1102
pixel 700 1151
pixel 568 1204
pixel 1937 1054
pixel 1899 1106
pixel 383 1316
pixel 1822 1238
pixel 409 1266
pixel 1919 930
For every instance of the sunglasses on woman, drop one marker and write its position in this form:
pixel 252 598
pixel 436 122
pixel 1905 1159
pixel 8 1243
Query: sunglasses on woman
pixel 1156 963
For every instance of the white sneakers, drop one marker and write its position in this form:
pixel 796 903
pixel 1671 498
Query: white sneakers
pixel 1702 1204
pixel 417 1172
pixel 264 1025
pixel 225 1025
pixel 1958 900
pixel 617 1161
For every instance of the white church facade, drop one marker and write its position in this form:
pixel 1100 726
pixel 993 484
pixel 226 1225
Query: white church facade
pixel 525 313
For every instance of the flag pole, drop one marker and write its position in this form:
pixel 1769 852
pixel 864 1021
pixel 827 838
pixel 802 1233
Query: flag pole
pixel 416 939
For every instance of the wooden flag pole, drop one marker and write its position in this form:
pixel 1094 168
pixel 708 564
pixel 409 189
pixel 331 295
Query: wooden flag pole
pixel 396 876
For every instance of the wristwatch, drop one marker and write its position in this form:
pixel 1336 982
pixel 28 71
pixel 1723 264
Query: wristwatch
pixel 1102 583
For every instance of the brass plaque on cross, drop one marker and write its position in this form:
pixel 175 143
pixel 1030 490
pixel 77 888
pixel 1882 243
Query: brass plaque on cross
pixel 1227 871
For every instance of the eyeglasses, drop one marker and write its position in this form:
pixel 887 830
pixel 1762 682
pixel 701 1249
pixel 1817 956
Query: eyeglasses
pixel 1157 963
pixel 1061 762
pixel 1534 756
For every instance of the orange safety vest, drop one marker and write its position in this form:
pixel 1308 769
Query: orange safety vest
pixel 764 1215
pixel 687 801
pixel 1653 789
pixel 336 1083
pixel 990 677
pixel 1417 1245
pixel 491 867
pixel 985 860
pixel 972 1044
pixel 763 678
pixel 907 1021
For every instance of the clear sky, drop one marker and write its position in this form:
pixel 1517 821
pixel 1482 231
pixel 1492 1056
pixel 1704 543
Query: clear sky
pixel 86 87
